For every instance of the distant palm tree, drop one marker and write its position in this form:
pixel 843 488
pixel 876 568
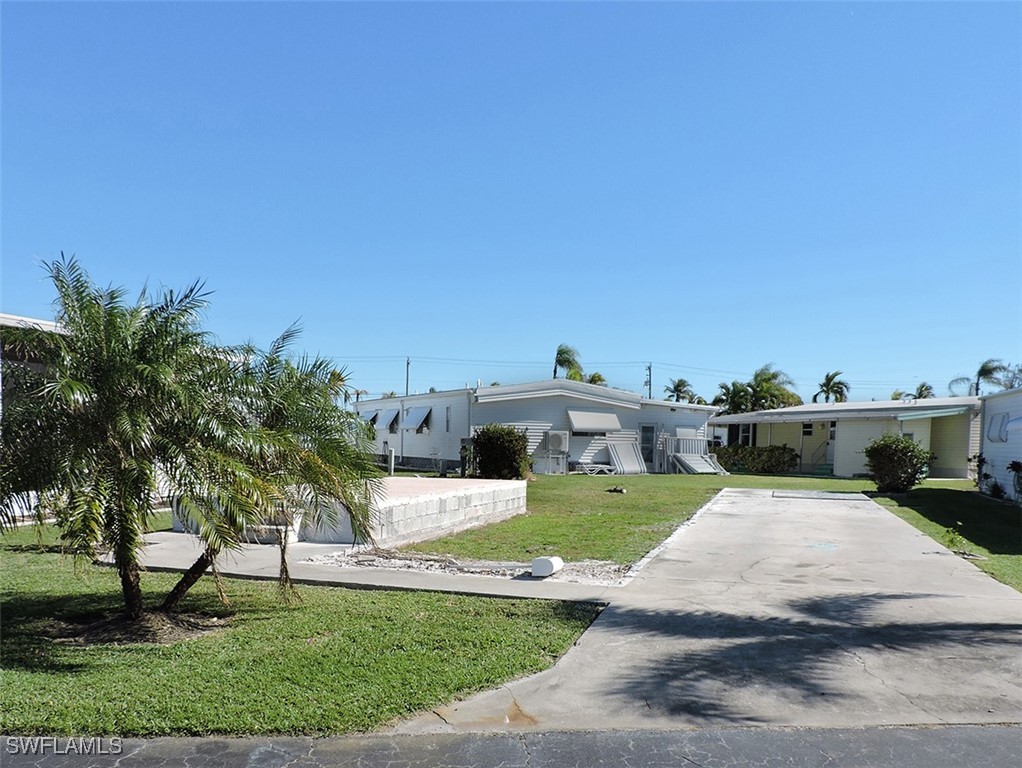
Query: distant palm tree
pixel 832 386
pixel 987 373
pixel 388 395
pixel 898 394
pixel 735 397
pixel 595 378
pixel 923 391
pixel 1011 378
pixel 575 374
pixel 770 389
pixel 566 359
pixel 680 389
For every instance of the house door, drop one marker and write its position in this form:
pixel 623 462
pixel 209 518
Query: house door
pixel 831 442
pixel 647 442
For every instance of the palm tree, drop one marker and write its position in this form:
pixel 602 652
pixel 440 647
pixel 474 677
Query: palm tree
pixel 735 397
pixel 309 455
pixel 770 389
pixel 575 374
pixel 132 402
pixel 1011 378
pixel 923 391
pixel 566 359
pixel 126 395
pixel 832 386
pixel 388 395
pixel 988 372
pixel 680 389
pixel 898 394
pixel 595 378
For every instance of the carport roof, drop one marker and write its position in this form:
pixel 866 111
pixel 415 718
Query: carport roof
pixel 903 410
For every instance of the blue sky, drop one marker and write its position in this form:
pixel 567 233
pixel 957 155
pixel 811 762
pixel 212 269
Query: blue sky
pixel 707 187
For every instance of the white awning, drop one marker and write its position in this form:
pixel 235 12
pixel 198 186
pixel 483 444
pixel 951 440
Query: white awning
pixel 386 418
pixel 590 421
pixel 369 415
pixel 416 416
pixel 934 414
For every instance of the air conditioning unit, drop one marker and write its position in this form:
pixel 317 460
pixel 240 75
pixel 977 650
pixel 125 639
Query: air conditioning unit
pixel 557 441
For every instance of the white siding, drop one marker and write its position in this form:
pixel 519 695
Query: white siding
pixel 852 436
pixel 437 440
pixel 996 452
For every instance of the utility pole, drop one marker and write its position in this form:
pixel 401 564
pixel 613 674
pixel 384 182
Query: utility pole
pixel 649 381
pixel 408 367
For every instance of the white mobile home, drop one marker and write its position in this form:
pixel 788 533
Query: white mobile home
pixel 1002 437
pixel 569 425
pixel 830 437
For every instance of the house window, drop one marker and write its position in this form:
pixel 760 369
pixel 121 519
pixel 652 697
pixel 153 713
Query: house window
pixel 745 434
pixel 448 418
pixel 807 428
pixel 393 427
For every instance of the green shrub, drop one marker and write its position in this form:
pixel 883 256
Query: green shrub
pixel 897 463
pixel 766 459
pixel 501 452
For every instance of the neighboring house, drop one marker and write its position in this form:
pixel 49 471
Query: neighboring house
pixel 9 353
pixel 1002 436
pixel 569 424
pixel 830 437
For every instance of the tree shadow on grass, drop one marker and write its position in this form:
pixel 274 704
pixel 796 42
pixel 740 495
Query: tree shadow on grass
pixel 995 526
pixel 791 657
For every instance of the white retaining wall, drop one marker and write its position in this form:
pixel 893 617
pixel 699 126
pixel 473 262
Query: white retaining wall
pixel 414 509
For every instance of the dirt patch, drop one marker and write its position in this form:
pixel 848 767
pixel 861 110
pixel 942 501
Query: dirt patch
pixel 154 628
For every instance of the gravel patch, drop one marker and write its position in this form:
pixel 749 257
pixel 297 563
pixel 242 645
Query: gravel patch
pixel 598 572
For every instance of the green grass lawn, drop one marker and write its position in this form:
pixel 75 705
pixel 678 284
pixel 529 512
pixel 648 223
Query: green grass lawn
pixel 342 661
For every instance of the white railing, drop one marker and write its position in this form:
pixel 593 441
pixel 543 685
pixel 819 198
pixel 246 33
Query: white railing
pixel 666 446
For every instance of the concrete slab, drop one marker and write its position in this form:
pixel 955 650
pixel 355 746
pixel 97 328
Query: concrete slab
pixel 779 611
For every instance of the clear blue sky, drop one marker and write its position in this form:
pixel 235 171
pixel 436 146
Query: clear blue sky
pixel 707 187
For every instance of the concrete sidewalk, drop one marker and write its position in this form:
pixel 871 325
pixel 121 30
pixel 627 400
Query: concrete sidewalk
pixel 779 609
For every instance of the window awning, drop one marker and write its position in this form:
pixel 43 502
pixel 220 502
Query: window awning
pixel 589 421
pixel 369 415
pixel 933 414
pixel 386 418
pixel 416 416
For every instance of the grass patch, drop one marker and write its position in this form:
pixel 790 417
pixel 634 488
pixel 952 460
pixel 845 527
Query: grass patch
pixel 990 528
pixel 574 517
pixel 341 661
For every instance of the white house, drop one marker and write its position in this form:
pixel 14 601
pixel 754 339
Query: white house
pixel 569 425
pixel 1002 436
pixel 830 437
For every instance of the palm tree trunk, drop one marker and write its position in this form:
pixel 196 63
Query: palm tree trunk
pixel 131 588
pixel 188 580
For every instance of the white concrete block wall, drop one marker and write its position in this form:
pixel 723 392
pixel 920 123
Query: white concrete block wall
pixel 415 518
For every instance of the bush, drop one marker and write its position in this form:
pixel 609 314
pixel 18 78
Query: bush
pixel 897 463
pixel 767 459
pixel 501 452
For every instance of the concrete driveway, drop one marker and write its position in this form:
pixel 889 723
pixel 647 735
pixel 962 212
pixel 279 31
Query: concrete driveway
pixel 780 609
